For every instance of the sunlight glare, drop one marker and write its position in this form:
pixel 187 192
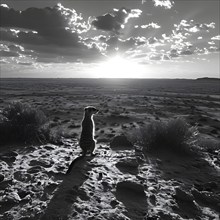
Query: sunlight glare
pixel 118 67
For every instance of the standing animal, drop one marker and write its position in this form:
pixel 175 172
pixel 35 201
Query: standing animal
pixel 87 141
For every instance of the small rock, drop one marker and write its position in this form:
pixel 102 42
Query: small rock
pixel 27 198
pixel 152 199
pixel 22 193
pixel 35 169
pixel 105 185
pixel 100 176
pixel 1 177
pixel 151 189
pixel 5 184
pixel 42 163
pixel 121 141
pixel 11 198
pixel 114 203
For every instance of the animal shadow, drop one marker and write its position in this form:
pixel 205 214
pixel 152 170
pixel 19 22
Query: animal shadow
pixel 61 204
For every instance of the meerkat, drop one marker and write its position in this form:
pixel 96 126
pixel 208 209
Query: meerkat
pixel 87 141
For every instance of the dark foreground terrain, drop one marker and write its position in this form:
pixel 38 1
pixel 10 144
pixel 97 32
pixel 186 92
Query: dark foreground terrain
pixel 118 183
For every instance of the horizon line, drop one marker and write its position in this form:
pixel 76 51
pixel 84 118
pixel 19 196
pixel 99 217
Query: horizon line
pixel 214 78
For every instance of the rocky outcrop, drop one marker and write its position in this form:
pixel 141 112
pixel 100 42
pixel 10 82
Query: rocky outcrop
pixel 121 142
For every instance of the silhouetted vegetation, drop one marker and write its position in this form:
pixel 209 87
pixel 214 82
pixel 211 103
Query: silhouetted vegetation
pixel 174 135
pixel 20 123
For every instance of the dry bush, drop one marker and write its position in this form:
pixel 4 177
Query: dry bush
pixel 19 123
pixel 175 135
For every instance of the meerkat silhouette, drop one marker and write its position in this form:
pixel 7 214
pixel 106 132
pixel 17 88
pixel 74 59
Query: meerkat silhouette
pixel 87 141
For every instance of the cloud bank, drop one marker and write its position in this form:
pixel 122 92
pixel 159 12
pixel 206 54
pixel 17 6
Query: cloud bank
pixel 116 20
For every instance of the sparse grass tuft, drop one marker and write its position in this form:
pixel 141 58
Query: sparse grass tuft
pixel 19 123
pixel 175 135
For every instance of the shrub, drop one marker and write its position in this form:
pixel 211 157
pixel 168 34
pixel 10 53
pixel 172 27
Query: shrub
pixel 19 123
pixel 174 135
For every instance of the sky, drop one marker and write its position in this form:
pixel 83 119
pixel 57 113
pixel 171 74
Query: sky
pixel 103 38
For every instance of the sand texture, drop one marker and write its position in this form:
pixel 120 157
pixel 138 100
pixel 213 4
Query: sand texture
pixel 52 182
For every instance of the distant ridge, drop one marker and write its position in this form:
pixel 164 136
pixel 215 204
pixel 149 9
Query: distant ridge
pixel 208 78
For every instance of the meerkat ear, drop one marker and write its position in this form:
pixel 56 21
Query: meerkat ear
pixel 87 109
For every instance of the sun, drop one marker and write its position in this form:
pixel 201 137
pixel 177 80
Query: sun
pixel 118 67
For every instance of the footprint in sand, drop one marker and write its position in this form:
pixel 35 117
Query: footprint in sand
pixel 35 169
pixel 22 177
pixel 42 163
pixel 128 166
pixel 133 197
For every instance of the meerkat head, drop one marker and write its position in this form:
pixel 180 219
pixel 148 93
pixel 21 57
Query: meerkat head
pixel 90 110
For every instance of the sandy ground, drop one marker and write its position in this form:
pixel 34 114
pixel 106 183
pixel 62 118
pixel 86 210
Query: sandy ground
pixel 115 184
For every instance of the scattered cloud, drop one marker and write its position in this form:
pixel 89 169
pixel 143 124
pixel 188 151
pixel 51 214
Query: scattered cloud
pixel 167 4
pixel 216 38
pixel 192 27
pixel 213 49
pixel 108 45
pixel 115 20
pixel 151 25
pixel 42 36
pixel 211 42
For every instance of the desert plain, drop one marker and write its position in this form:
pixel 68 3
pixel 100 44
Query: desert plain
pixel 118 183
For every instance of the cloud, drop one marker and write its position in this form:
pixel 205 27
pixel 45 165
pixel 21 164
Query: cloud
pixel 50 31
pixel 112 44
pixel 116 20
pixel 153 42
pixel 216 38
pixel 5 53
pixel 180 51
pixel 57 25
pixel 3 61
pixel 202 27
pixel 211 42
pixel 11 50
pixel 192 27
pixel 167 4
pixel 151 25
pixel 44 20
pixel 213 49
